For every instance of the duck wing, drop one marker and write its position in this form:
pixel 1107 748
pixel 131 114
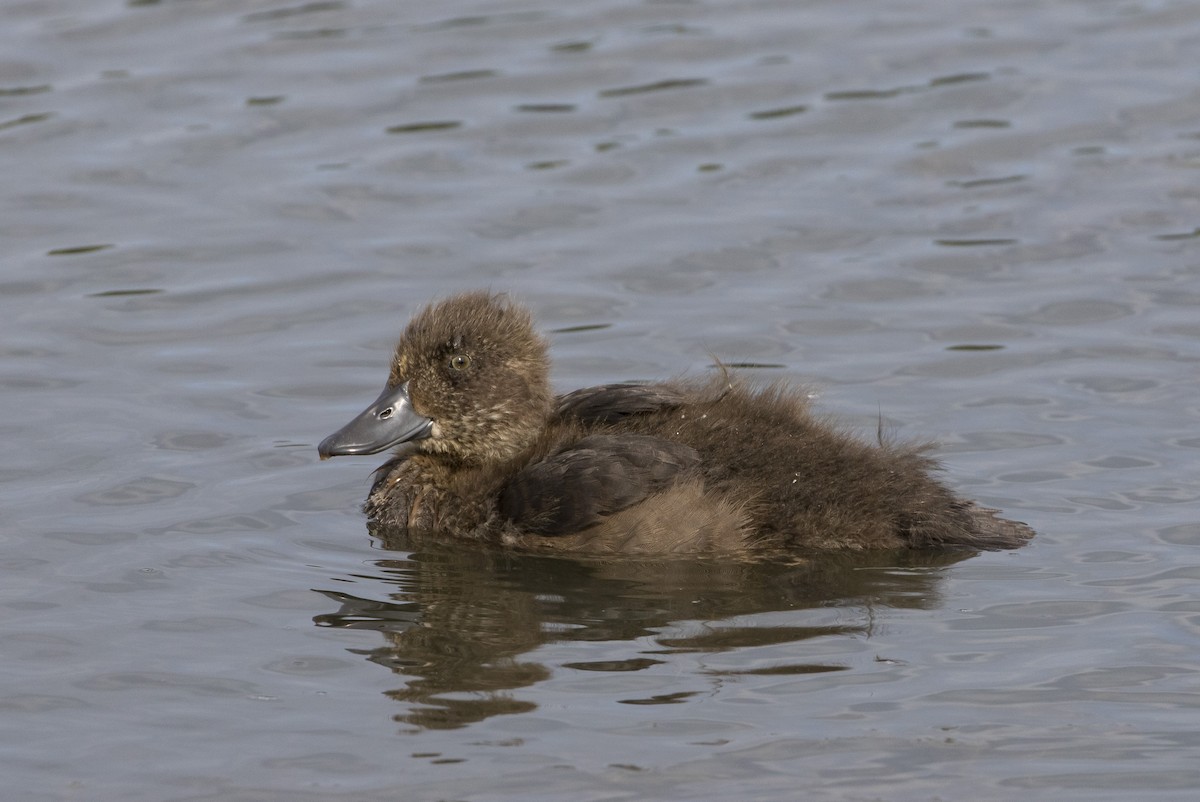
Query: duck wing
pixel 608 403
pixel 593 478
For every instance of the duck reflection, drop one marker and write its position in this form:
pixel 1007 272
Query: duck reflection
pixel 461 622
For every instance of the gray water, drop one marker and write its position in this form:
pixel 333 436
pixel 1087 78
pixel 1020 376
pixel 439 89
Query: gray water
pixel 977 221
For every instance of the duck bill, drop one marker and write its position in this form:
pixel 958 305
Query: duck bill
pixel 389 421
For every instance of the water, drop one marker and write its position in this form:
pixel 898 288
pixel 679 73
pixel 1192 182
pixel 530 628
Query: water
pixel 978 222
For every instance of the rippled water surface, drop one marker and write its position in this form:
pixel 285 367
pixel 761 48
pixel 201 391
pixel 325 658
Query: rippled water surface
pixel 979 221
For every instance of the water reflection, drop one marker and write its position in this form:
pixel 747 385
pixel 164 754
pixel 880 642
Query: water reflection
pixel 459 620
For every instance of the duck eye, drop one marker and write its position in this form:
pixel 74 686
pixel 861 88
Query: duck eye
pixel 460 361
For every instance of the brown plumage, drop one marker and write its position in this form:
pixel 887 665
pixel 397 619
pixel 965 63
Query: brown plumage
pixel 488 453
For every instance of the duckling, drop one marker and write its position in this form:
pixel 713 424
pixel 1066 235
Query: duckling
pixel 486 452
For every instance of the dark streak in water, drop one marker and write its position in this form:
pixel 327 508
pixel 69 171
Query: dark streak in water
pixel 881 94
pixel 973 243
pixel 546 107
pixel 660 699
pixel 959 78
pixel 632 664
pixel 677 28
pixel 77 249
pixel 670 83
pixel 472 20
pixel 771 114
pixel 986 182
pixel 464 75
pixel 584 327
pixel 315 33
pixel 974 347
pixel 549 164
pixel 1193 234
pixel 572 47
pixel 726 638
pixel 28 118
pixel 17 91
pixel 122 293
pixel 455 22
pixel 292 11
pixel 982 124
pixel 773 671
pixel 412 128
pixel 866 94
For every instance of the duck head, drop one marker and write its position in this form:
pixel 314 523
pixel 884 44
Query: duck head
pixel 469 381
